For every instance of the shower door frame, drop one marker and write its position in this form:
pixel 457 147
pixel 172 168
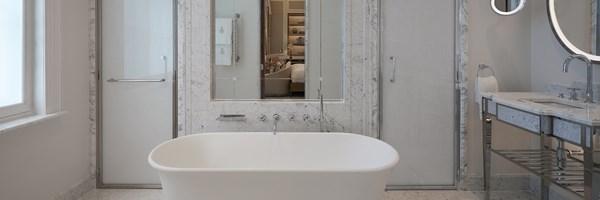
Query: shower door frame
pixel 99 78
pixel 457 100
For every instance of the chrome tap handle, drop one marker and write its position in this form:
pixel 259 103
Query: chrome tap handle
pixel 262 117
pixel 276 117
pixel 573 94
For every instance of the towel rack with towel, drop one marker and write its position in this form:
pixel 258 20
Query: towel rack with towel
pixel 484 66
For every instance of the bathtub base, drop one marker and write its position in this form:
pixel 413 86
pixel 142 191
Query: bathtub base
pixel 275 186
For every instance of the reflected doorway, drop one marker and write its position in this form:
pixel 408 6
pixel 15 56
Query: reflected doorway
pixel 283 49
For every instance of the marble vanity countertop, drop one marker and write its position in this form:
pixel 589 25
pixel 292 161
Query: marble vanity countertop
pixel 589 114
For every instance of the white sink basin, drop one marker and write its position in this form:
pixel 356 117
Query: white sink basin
pixel 557 103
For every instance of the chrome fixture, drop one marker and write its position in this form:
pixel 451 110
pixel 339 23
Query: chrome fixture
pixel 276 118
pixel 484 66
pixel 305 117
pixel 561 155
pixel 235 38
pixel 393 78
pixel 233 117
pixel 165 61
pixel 112 80
pixel 291 117
pixel 589 91
pixel 573 94
pixel 321 116
pixel 262 117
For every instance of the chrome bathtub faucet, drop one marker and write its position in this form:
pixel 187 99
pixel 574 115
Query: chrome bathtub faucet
pixel 276 118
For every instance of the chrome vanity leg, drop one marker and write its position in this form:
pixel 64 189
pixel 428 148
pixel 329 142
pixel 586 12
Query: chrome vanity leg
pixel 487 155
pixel 545 144
pixel 591 174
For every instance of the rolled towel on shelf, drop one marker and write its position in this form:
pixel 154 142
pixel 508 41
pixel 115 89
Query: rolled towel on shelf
pixel 484 84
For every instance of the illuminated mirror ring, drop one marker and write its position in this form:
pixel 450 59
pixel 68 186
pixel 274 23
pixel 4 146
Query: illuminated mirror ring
pixel 570 47
pixel 512 12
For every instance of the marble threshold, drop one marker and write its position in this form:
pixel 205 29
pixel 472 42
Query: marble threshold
pixel 144 194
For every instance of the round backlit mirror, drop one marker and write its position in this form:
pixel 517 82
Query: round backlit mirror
pixel 568 20
pixel 507 7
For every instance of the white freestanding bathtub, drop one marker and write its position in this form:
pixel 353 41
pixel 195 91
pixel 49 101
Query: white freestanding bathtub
pixel 263 166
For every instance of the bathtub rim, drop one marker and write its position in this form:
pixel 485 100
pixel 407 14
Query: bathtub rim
pixel 387 166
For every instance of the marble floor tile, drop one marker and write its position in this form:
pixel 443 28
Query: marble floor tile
pixel 507 195
pixel 122 194
pixel 139 194
pixel 429 195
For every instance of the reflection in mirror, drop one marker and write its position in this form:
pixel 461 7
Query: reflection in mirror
pixel 571 23
pixel 277 49
pixel 507 7
pixel 283 46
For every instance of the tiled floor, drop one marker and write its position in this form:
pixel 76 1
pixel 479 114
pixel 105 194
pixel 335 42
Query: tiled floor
pixel 115 194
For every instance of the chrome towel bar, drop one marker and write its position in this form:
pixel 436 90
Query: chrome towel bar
pixel 112 80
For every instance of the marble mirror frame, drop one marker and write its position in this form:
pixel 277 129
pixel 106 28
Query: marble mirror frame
pixel 562 38
pixel 357 112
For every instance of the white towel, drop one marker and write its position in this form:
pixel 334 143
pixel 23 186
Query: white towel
pixel 223 31
pixel 223 54
pixel 484 84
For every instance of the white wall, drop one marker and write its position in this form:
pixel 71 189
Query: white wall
pixel 43 160
pixel 504 44
pixel 547 53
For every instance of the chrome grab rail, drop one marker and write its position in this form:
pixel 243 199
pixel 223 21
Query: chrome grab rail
pixel 235 50
pixel 112 80
pixel 164 58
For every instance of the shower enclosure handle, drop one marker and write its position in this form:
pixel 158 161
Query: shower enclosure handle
pixel 112 80
pixel 166 65
pixel 393 68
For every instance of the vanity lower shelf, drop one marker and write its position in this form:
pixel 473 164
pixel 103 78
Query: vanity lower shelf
pixel 543 163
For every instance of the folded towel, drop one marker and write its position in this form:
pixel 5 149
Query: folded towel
pixel 484 84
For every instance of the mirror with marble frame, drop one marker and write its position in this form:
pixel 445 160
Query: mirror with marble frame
pixel 571 23
pixel 277 49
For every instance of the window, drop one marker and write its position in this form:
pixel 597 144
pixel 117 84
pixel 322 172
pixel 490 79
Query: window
pixel 30 61
pixel 15 65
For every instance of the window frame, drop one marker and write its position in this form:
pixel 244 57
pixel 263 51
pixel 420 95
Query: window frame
pixel 25 108
pixel 44 60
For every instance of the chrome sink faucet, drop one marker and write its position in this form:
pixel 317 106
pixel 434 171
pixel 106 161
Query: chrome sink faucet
pixel 589 91
pixel 276 118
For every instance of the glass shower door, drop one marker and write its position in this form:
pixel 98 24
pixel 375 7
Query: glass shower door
pixel 137 87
